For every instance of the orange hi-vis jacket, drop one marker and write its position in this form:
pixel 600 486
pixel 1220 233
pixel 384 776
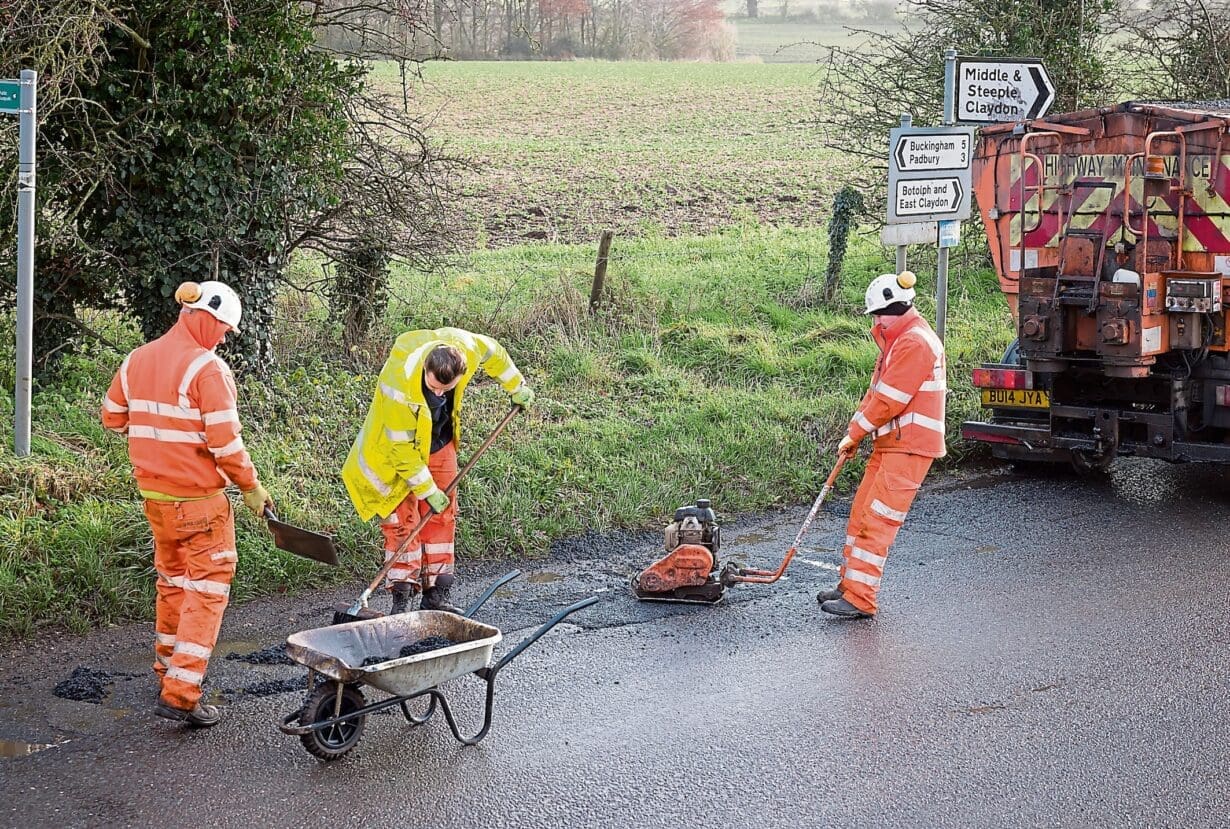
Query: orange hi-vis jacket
pixel 904 407
pixel 175 400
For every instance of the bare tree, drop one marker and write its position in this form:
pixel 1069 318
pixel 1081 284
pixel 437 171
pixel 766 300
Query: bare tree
pixel 1187 46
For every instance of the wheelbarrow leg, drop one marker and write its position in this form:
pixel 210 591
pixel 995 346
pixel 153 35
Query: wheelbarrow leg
pixel 452 721
pixel 417 721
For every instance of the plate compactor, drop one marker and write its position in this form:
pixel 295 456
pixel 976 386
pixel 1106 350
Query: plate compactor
pixel 688 571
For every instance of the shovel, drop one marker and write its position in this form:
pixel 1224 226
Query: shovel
pixel 301 542
pixel 359 610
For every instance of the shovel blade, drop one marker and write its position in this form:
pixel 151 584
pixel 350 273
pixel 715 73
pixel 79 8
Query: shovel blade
pixel 301 542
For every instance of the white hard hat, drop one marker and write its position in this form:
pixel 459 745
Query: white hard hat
pixel 214 297
pixel 888 288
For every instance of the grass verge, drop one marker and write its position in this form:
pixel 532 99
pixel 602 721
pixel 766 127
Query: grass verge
pixel 705 374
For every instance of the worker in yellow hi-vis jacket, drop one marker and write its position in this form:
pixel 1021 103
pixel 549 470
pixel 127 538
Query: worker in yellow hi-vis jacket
pixel 405 455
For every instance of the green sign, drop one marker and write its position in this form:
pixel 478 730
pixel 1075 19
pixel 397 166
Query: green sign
pixel 10 96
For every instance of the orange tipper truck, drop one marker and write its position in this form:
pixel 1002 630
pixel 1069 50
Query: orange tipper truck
pixel 1110 232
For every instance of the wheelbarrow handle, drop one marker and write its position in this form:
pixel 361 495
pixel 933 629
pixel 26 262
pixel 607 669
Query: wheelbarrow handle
pixel 536 635
pixel 488 593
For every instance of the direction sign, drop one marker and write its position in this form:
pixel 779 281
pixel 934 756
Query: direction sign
pixel 929 174
pixel 10 96
pixel 932 150
pixel 995 90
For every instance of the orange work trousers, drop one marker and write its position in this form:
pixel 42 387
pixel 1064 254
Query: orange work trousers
pixel 194 555
pixel 889 485
pixel 434 547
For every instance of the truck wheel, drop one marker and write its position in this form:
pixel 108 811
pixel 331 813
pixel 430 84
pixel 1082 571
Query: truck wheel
pixel 337 740
pixel 1012 356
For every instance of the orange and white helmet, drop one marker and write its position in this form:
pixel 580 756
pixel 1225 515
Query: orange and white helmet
pixel 215 297
pixel 889 288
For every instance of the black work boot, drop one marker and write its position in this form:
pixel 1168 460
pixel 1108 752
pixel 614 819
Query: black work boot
pixel 830 595
pixel 402 591
pixel 436 596
pixel 842 609
pixel 202 716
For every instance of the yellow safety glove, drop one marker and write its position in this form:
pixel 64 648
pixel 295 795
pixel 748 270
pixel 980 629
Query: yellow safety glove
pixel 257 498
pixel 523 397
pixel 438 501
pixel 848 446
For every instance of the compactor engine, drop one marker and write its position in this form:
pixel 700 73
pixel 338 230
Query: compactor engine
pixel 1110 232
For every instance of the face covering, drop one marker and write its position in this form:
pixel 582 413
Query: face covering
pixel 206 329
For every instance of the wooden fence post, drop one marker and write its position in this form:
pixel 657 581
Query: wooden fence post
pixel 604 248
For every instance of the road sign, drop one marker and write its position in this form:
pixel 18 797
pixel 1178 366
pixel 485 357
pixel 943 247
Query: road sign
pixel 934 150
pixel 929 174
pixel 995 90
pixel 10 96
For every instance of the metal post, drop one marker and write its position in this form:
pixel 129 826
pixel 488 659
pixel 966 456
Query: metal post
pixel 25 263
pixel 907 121
pixel 941 262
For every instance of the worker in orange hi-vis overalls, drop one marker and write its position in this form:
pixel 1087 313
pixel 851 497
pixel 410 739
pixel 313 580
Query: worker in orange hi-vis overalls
pixel 904 411
pixel 174 399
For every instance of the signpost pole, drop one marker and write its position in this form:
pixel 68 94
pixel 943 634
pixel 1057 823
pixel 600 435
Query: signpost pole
pixel 941 263
pixel 907 121
pixel 27 123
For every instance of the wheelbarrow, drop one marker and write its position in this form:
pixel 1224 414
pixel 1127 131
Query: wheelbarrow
pixel 331 720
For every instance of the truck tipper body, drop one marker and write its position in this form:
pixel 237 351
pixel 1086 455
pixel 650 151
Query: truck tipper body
pixel 1110 233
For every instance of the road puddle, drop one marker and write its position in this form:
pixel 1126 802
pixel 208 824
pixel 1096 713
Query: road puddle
pixel 15 748
pixel 544 578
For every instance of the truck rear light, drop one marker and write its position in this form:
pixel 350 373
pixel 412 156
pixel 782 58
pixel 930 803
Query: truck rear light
pixel 1004 378
pixel 1221 394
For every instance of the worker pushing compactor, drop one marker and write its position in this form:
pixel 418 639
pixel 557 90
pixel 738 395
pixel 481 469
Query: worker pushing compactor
pixel 175 401
pixel 405 456
pixel 903 410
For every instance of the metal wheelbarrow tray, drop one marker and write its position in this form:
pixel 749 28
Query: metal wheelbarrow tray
pixel 333 716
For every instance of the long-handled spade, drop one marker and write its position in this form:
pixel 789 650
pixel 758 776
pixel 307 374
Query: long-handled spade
pixel 732 574
pixel 359 610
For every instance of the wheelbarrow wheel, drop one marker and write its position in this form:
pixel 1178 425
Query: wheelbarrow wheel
pixel 334 741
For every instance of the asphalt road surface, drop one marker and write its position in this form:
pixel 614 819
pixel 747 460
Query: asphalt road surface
pixel 1049 652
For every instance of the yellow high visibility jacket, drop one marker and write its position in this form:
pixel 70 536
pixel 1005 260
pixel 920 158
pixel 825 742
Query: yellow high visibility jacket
pixel 388 459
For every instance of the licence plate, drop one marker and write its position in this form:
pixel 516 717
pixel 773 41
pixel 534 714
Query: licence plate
pixel 1016 398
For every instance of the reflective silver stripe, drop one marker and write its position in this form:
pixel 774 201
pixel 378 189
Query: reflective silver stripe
pixel 438 569
pixel 184 675
pixel 508 374
pixel 430 491
pixel 111 406
pixel 397 435
pixel 193 650
pixel 194 368
pixel 391 521
pixel 438 549
pixel 891 393
pixel 869 557
pixel 397 574
pixel 164 661
pixel 231 448
pixel 217 588
pixel 225 555
pixel 221 416
pixel 165 435
pixel 934 385
pixel 124 375
pixel 859 576
pixel 863 423
pixel 849 541
pixel 932 341
pixel 379 485
pixel 165 409
pixel 883 509
pixel 164 638
pixel 419 478
pixel 119 430
pixel 912 418
pixel 392 393
pixel 410 556
pixel 177 581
